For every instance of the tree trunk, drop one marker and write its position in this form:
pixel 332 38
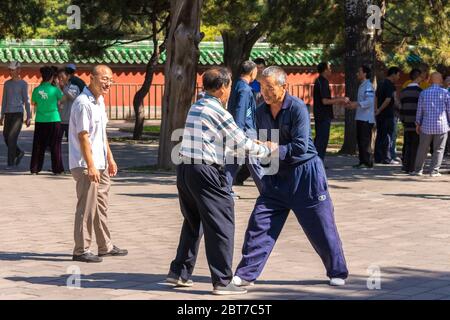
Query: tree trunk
pixel 138 99
pixel 359 47
pixel 180 73
pixel 237 47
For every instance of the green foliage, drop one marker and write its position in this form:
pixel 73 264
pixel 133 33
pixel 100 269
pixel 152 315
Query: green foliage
pixel 212 33
pixel 234 16
pixel 417 26
pixel 107 22
pixel 19 19
pixel 54 20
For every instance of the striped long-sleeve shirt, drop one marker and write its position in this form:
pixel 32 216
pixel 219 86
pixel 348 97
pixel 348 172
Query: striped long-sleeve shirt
pixel 433 110
pixel 409 98
pixel 211 135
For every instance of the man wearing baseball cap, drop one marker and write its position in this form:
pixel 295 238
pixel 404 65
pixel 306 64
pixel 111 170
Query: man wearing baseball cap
pixel 70 69
pixel 15 97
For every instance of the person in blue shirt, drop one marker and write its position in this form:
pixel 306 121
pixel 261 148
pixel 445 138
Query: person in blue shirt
pixel 300 185
pixel 243 173
pixel 242 106
pixel 365 117
pixel 255 84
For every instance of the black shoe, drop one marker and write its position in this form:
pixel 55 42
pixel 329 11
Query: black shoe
pixel 19 158
pixel 87 257
pixel 115 252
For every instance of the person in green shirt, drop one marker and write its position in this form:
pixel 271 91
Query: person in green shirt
pixel 47 131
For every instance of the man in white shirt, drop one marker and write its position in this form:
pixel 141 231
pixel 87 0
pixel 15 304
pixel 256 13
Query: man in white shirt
pixel 365 117
pixel 92 163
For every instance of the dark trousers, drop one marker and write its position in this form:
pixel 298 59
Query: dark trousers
pixel 364 138
pixel 208 208
pixel 304 190
pixel 409 151
pixel 322 136
pixel 383 141
pixel 11 130
pixel 47 134
pixel 242 175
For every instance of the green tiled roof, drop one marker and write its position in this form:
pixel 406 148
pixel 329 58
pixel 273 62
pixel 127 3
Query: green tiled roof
pixel 211 53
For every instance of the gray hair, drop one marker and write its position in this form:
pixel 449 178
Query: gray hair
pixel 276 73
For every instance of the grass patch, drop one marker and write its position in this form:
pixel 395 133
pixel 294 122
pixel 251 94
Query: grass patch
pixel 150 130
pixel 130 140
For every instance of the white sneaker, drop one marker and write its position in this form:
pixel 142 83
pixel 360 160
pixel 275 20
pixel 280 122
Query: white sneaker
pixel 435 174
pixel 417 173
pixel 337 282
pixel 237 281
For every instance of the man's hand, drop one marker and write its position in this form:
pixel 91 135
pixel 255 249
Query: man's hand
pixel 1 121
pixel 112 168
pixel 273 146
pixel 28 122
pixel 377 112
pixel 94 174
pixel 352 105
pixel 417 129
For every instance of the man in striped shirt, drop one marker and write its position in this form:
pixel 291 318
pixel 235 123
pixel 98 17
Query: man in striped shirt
pixel 409 98
pixel 432 124
pixel 209 139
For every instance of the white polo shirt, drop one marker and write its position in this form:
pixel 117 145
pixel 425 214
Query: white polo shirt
pixel 88 115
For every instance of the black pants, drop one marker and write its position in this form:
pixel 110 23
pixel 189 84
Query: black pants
pixel 208 208
pixel 383 141
pixel 11 130
pixel 242 175
pixel 409 151
pixel 364 138
pixel 47 134
pixel 322 136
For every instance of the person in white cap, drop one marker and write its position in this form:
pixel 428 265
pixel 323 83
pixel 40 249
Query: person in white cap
pixel 15 97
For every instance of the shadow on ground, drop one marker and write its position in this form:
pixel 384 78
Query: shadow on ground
pixel 16 256
pixel 396 283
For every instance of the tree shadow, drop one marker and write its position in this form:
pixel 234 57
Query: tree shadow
pixel 17 256
pixel 395 283
pixel 111 280
pixel 340 169
pixel 422 196
pixel 152 195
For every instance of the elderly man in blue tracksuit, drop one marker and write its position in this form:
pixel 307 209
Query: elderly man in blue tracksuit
pixel 299 185
pixel 242 106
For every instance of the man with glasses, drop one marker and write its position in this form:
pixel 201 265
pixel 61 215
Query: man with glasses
pixel 299 185
pixel 92 164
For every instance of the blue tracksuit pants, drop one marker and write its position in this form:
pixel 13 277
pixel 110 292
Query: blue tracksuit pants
pixel 304 190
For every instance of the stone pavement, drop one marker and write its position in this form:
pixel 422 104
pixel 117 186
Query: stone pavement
pixel 387 220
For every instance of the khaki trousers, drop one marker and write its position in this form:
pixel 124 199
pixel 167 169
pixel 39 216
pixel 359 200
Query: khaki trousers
pixel 92 212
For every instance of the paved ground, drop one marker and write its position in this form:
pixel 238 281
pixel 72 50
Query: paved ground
pixel 387 220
